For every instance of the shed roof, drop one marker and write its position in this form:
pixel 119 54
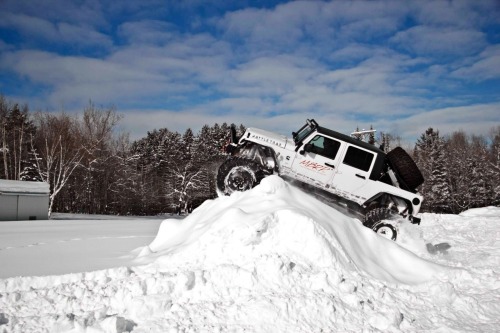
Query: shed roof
pixel 17 186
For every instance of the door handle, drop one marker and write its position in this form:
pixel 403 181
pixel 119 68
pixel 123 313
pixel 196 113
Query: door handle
pixel 360 176
pixel 330 165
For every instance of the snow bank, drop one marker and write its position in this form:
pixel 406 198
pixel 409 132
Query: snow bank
pixel 278 219
pixel 482 212
pixel 274 259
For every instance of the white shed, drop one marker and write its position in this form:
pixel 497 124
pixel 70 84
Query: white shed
pixel 20 200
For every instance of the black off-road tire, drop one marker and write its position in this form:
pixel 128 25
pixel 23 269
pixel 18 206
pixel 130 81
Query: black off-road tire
pixel 237 175
pixel 378 219
pixel 405 168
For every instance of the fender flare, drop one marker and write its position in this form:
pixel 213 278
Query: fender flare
pixel 263 155
pixel 368 204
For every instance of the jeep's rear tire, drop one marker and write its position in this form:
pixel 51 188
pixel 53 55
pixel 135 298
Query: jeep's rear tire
pixel 405 167
pixel 386 230
pixel 379 220
pixel 238 175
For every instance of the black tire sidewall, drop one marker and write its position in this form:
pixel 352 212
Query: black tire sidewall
pixel 232 163
pixel 405 167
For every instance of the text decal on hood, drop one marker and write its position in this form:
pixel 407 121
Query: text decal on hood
pixel 266 139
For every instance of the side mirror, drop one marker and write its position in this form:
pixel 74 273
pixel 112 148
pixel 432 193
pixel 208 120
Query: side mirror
pixel 307 148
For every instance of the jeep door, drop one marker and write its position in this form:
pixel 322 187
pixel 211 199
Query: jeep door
pixel 316 161
pixel 353 172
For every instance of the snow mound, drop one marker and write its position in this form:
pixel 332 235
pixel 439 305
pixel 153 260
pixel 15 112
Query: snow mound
pixel 274 259
pixel 490 211
pixel 277 220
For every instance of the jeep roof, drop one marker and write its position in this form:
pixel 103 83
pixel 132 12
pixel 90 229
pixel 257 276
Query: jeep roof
pixel 349 139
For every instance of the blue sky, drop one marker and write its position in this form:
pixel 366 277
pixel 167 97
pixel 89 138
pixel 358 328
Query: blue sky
pixel 401 66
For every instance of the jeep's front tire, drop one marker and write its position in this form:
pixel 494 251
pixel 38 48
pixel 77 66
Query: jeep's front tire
pixel 379 220
pixel 405 167
pixel 238 175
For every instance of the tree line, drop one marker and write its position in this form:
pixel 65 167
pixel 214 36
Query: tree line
pixel 461 171
pixel 92 169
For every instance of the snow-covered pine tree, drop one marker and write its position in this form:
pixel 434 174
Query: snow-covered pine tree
pixel 426 157
pixel 123 194
pixel 371 137
pixel 16 128
pixel 495 164
pixel 146 156
pixel 29 172
pixel 438 196
pixel 458 148
pixel 168 158
pixel 472 175
pixel 479 189
pixel 188 175
pixel 385 141
pixel 208 157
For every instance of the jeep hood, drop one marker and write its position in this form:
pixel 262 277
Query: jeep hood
pixel 266 138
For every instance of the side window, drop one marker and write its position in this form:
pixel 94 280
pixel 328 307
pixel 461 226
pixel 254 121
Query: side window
pixel 324 146
pixel 358 158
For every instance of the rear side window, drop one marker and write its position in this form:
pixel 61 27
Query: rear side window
pixel 358 158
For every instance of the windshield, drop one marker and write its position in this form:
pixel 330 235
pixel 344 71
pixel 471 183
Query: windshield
pixel 303 132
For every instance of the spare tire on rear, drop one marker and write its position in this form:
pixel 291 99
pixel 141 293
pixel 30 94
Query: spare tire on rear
pixel 405 168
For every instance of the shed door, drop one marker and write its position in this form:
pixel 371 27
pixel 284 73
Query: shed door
pixel 8 207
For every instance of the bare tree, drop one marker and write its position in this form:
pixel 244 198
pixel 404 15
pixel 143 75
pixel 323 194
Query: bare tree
pixel 187 182
pixel 4 110
pixel 58 150
pixel 97 127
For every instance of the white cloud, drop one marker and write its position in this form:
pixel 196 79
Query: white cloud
pixel 461 14
pixel 486 66
pixel 147 32
pixel 59 33
pixel 426 40
pixel 344 61
pixel 84 12
pixel 320 25
pixel 473 119
pixel 271 76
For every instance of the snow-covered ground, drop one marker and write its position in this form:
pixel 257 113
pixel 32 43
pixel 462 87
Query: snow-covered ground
pixel 71 243
pixel 272 259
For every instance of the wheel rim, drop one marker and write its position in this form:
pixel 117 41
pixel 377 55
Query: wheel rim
pixel 239 179
pixel 386 231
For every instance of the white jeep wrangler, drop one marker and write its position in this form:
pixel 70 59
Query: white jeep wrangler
pixel 344 171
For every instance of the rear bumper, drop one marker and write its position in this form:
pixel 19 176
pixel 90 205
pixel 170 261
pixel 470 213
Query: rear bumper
pixel 415 220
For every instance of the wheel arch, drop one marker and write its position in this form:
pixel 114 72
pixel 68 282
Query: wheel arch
pixel 384 198
pixel 261 154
